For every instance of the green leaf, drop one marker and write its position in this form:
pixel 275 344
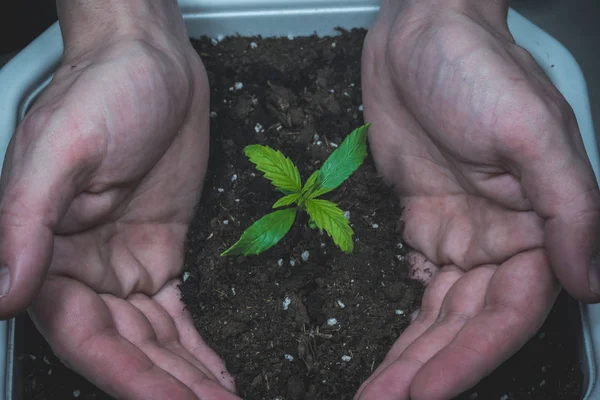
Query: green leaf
pixel 264 233
pixel 318 191
pixel 287 200
pixel 342 162
pixel 331 219
pixel 277 168
pixel 311 184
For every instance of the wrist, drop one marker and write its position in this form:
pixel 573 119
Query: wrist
pixel 494 12
pixel 491 13
pixel 482 5
pixel 90 24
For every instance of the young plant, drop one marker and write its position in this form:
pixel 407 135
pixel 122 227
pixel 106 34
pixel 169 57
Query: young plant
pixel 324 214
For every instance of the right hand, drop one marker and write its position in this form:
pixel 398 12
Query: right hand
pixel 97 191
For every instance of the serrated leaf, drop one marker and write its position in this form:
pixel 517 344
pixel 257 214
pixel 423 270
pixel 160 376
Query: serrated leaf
pixel 330 218
pixel 276 167
pixel 342 162
pixel 264 233
pixel 287 200
pixel 311 184
pixel 318 191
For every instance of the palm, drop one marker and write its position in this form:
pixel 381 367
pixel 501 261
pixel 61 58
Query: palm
pixel 454 109
pixel 133 143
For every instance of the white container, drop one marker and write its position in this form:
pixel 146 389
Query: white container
pixel 22 79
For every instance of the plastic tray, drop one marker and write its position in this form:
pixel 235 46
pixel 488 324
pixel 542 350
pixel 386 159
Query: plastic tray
pixel 22 79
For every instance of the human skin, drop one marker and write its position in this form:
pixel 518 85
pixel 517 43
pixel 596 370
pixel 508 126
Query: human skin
pixel 499 197
pixel 101 178
pixel 98 188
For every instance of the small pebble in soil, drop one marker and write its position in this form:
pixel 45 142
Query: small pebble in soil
pixel 360 108
pixel 347 215
pixel 316 138
pixel 305 255
pixel 323 245
pixel 46 360
pixel 332 322
pixel 292 263
pixel 286 303
pixel 504 397
pixel 186 276
pixel 50 371
pixel 280 262
pixel 253 45
pixel 76 393
pixel 226 222
pixel 238 86
pixel 400 246
pixel 340 304
pixel 220 190
pixel 346 358
pixel 213 114
pixel 334 145
pixel 32 357
pixel 220 38
pixel 375 226
pixel 214 41
pixel 237 200
pixel 290 36
pixel 319 143
pixel 399 312
pixel 233 291
pixel 333 45
pixel 233 179
pixel 258 128
pixel 288 357
pixel 399 257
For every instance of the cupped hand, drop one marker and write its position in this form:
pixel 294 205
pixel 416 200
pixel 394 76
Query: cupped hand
pixel 98 188
pixel 500 201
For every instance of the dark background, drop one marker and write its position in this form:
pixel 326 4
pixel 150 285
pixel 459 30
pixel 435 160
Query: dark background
pixel 21 21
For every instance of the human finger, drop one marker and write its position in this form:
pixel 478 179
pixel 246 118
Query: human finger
pixel 80 328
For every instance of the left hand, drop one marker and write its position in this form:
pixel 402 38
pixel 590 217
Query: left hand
pixel 499 197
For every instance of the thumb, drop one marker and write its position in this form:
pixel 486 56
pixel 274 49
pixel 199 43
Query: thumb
pixel 38 182
pixel 559 180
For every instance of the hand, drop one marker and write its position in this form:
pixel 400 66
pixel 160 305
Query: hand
pixel 499 197
pixel 98 189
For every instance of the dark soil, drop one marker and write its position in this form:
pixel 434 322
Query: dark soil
pixel 302 96
pixel 305 93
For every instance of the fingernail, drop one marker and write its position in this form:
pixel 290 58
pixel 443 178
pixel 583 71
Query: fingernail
pixel 4 281
pixel 594 274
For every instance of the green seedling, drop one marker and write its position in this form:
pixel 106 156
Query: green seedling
pixel 283 174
